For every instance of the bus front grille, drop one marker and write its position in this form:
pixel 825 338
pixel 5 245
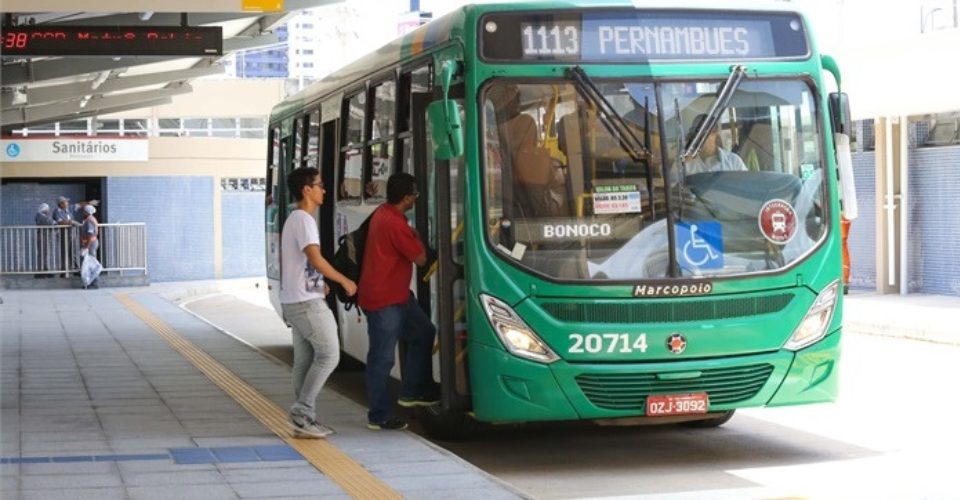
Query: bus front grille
pixel 629 391
pixel 653 312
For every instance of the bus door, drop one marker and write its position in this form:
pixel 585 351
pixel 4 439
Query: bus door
pixel 440 284
pixel 277 201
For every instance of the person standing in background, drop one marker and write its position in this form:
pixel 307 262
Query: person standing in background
pixel 45 237
pixel 70 215
pixel 89 238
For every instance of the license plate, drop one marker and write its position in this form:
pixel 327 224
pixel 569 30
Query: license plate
pixel 677 404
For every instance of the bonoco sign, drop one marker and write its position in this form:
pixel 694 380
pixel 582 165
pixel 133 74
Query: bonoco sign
pixel 75 149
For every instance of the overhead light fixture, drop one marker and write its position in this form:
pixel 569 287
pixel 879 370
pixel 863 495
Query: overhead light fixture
pixel 19 96
pixel 98 81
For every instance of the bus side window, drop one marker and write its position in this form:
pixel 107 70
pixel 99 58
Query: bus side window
pixel 298 137
pixel 413 82
pixel 351 175
pixel 381 149
pixel 312 143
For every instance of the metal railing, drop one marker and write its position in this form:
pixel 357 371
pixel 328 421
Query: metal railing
pixel 56 249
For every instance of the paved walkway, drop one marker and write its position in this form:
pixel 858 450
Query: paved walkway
pixel 97 404
pixel 934 318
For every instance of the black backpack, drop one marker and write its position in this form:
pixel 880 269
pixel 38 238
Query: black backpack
pixel 348 259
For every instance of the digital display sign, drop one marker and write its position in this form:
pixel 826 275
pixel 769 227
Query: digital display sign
pixel 642 36
pixel 111 41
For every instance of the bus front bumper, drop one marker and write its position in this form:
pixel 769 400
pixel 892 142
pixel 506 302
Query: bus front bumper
pixel 513 389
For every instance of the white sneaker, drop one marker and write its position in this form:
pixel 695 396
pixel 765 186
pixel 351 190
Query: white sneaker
pixel 309 429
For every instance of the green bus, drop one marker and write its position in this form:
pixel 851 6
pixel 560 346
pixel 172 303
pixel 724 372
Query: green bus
pixel 636 211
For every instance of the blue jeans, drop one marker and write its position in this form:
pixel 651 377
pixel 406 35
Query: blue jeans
pixel 316 352
pixel 406 322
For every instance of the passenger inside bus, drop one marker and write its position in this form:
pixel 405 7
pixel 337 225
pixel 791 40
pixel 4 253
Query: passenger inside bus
pixel 532 168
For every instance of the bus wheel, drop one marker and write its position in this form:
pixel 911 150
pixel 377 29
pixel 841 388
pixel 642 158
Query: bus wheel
pixel 710 423
pixel 447 425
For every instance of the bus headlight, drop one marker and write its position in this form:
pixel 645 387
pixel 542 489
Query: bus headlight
pixel 815 323
pixel 516 336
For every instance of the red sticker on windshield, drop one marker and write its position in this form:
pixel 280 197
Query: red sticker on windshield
pixel 778 221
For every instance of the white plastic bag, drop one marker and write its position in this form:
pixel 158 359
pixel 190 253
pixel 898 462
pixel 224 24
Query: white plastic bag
pixel 90 269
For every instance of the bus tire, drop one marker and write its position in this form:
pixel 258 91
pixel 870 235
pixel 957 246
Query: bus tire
pixel 447 425
pixel 710 423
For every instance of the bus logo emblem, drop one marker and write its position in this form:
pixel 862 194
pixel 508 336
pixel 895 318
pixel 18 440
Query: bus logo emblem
pixel 677 343
pixel 777 221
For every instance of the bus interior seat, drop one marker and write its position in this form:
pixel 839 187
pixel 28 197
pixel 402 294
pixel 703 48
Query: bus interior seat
pixel 350 188
pixel 756 140
pixel 531 162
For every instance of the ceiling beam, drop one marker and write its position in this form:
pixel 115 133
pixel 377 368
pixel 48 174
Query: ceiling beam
pixel 69 109
pixel 28 72
pixel 250 42
pixel 51 93
pixel 151 5
pixel 96 111
pixel 157 19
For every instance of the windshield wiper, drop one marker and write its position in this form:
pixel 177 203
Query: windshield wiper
pixel 609 116
pixel 724 94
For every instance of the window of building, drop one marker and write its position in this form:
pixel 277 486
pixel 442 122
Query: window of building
pixel 241 184
pixel 107 127
pixel 939 129
pixel 75 127
pixel 137 127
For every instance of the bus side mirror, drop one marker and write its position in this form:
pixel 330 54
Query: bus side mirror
pixel 445 123
pixel 446 129
pixel 840 113
pixel 842 130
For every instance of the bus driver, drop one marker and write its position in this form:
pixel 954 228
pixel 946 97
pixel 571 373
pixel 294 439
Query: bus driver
pixel 712 157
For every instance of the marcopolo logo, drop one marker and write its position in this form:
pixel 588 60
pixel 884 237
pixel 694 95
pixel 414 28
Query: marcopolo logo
pixel 13 150
pixel 672 289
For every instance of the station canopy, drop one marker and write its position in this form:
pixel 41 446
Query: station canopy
pixel 44 89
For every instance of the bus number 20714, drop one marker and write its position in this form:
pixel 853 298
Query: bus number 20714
pixel 594 343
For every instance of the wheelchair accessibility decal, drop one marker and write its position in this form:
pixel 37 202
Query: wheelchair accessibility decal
pixel 778 221
pixel 699 245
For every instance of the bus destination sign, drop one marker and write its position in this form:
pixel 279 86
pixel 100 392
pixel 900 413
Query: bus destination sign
pixel 39 40
pixel 641 36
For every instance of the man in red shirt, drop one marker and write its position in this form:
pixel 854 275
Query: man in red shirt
pixel 392 311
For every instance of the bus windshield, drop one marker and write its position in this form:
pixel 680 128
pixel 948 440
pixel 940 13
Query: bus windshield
pixel 567 198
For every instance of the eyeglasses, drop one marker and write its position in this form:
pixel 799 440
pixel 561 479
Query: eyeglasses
pixel 415 194
pixel 318 184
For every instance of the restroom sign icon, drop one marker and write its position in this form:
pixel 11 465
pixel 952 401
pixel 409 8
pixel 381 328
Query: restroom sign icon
pixel 777 221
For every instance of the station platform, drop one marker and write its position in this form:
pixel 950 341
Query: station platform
pixel 123 393
pixel 179 390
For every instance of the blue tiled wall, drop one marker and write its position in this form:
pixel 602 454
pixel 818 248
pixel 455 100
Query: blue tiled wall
pixel 934 191
pixel 19 200
pixel 862 240
pixel 178 212
pixel 243 238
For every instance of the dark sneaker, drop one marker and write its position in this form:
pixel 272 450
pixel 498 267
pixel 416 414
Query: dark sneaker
pixel 303 428
pixel 391 424
pixel 420 401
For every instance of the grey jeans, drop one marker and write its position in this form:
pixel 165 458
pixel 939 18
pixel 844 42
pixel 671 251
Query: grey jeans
pixel 316 352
